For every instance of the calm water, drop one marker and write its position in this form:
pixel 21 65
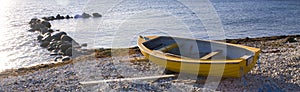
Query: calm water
pixel 124 20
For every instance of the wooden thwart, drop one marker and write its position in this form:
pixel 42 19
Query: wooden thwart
pixel 127 79
pixel 211 54
pixel 169 47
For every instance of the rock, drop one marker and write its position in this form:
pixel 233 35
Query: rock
pixel 85 15
pixel 57 35
pixel 68 17
pixel 66 38
pixel 44 44
pixel 51 30
pixel 59 17
pixel 47 37
pixel 62 17
pixel 84 45
pixel 57 58
pixel 96 15
pixel 54 53
pixel 44 30
pixel 77 16
pixel 51 18
pixel 69 52
pixel 37 26
pixel 46 23
pixel 39 38
pixel 66 58
pixel 53 46
pixel 64 46
pixel 32 30
pixel 45 18
pixel 290 40
pixel 33 20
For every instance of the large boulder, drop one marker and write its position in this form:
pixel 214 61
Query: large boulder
pixel 64 46
pixel 46 23
pixel 37 26
pixel 68 52
pixel 47 37
pixel 39 38
pixel 33 20
pixel 57 35
pixel 66 38
pixel 53 45
pixel 43 30
pixel 96 15
pixel 45 44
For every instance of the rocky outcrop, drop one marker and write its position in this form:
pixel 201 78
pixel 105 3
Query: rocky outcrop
pixel 57 42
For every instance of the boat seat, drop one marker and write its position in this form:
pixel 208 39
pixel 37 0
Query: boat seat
pixel 168 47
pixel 170 54
pixel 211 54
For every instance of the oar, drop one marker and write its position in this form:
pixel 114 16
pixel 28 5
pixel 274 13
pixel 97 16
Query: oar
pixel 135 59
pixel 127 79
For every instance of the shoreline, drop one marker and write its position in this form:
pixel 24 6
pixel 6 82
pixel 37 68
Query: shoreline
pixel 278 66
pixel 105 53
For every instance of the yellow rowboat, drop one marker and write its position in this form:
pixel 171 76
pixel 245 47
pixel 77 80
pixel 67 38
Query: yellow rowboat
pixel 202 57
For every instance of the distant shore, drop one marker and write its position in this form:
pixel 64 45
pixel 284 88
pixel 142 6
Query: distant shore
pixel 277 69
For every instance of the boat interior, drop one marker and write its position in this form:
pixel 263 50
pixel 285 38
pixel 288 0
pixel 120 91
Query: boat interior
pixel 196 49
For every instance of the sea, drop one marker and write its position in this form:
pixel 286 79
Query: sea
pixel 123 21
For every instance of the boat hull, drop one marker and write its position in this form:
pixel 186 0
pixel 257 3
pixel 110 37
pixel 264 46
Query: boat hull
pixel 200 67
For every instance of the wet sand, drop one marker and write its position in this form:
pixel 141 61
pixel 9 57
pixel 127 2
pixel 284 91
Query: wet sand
pixel 277 71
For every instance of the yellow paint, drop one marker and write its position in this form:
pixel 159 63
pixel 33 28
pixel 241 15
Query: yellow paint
pixel 230 68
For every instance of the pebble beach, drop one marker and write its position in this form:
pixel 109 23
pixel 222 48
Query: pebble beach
pixel 53 45
pixel 277 70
